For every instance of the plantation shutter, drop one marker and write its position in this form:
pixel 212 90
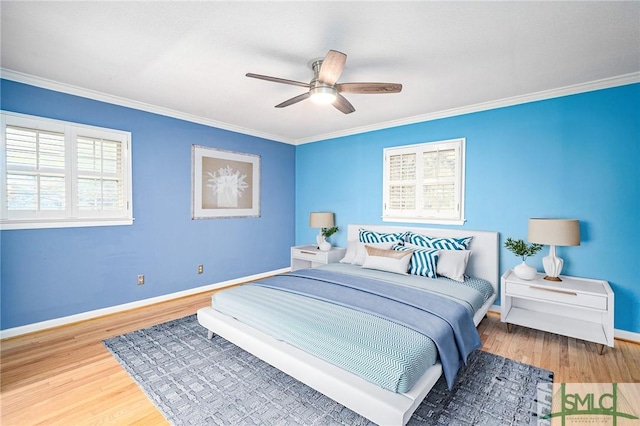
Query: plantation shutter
pixel 35 170
pixel 100 174
pixel 402 181
pixel 424 182
pixel 439 182
pixel 56 174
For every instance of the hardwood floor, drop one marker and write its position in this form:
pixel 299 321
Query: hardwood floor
pixel 65 376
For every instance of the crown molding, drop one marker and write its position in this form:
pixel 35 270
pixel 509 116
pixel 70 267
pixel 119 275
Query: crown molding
pixel 117 100
pixel 604 83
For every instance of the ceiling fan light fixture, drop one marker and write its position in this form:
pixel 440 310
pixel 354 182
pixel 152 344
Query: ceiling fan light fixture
pixel 323 95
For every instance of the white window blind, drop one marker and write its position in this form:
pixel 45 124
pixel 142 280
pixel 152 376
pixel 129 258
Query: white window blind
pixel 402 181
pixel 424 183
pixel 35 169
pixel 58 174
pixel 100 174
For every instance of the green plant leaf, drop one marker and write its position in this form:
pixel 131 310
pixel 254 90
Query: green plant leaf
pixel 522 249
pixel 327 232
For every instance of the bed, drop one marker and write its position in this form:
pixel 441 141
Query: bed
pixel 382 400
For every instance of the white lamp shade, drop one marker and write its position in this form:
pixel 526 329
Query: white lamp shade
pixel 554 232
pixel 321 220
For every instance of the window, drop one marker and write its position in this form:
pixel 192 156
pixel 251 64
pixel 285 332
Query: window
pixel 424 183
pixel 57 174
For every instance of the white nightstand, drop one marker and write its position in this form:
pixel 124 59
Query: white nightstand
pixel 309 256
pixel 574 307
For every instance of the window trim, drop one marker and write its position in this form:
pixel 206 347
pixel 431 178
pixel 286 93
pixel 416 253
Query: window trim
pixel 71 217
pixel 460 145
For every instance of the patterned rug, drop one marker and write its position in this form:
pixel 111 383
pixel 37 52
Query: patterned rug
pixel 196 381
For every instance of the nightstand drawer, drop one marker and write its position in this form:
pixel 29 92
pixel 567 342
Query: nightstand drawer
pixel 557 295
pixel 310 255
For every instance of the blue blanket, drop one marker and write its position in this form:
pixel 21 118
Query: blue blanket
pixel 447 323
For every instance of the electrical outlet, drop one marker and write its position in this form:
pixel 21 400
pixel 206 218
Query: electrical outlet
pixel 140 279
pixel 200 269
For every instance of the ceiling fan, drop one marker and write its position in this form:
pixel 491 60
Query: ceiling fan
pixel 324 88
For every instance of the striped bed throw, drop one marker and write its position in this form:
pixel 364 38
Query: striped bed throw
pixel 360 321
pixel 380 351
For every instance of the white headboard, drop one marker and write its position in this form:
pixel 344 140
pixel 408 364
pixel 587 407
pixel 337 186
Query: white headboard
pixel 483 262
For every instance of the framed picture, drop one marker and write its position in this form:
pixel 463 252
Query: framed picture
pixel 224 183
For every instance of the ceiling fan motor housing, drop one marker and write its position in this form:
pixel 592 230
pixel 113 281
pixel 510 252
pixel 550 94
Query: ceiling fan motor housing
pixel 321 93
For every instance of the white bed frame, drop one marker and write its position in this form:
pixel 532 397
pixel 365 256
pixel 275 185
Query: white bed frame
pixel 365 398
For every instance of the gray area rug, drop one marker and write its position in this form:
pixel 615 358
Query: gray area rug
pixel 196 381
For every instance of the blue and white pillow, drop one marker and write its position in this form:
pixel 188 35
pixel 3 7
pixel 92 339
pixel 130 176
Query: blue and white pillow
pixel 366 236
pixel 438 242
pixel 423 261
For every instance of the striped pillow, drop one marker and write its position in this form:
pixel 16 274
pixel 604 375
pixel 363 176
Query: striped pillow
pixel 367 236
pixel 438 242
pixel 423 261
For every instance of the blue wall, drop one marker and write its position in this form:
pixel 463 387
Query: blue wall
pixel 52 273
pixel 573 157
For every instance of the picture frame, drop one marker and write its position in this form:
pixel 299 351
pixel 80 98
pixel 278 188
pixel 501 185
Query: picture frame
pixel 225 184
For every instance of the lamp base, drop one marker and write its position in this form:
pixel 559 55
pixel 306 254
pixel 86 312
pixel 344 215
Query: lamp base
pixel 548 278
pixel 552 265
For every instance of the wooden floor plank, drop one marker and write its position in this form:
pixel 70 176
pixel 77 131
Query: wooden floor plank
pixel 66 376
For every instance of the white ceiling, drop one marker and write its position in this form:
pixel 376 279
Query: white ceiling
pixel 189 59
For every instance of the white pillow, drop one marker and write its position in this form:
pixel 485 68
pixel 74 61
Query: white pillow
pixel 453 263
pixel 350 255
pixel 387 260
pixel 361 252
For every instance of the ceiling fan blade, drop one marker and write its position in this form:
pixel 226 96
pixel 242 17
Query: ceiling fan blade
pixel 278 80
pixel 293 100
pixel 332 66
pixel 343 104
pixel 369 88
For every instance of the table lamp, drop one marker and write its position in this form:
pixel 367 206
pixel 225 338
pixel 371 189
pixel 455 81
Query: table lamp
pixel 554 232
pixel 321 220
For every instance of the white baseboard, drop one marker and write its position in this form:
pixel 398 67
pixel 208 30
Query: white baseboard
pixel 56 322
pixel 618 334
pixel 626 335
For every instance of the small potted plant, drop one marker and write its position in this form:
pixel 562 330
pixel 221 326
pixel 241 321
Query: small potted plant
pixel 523 250
pixel 326 233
